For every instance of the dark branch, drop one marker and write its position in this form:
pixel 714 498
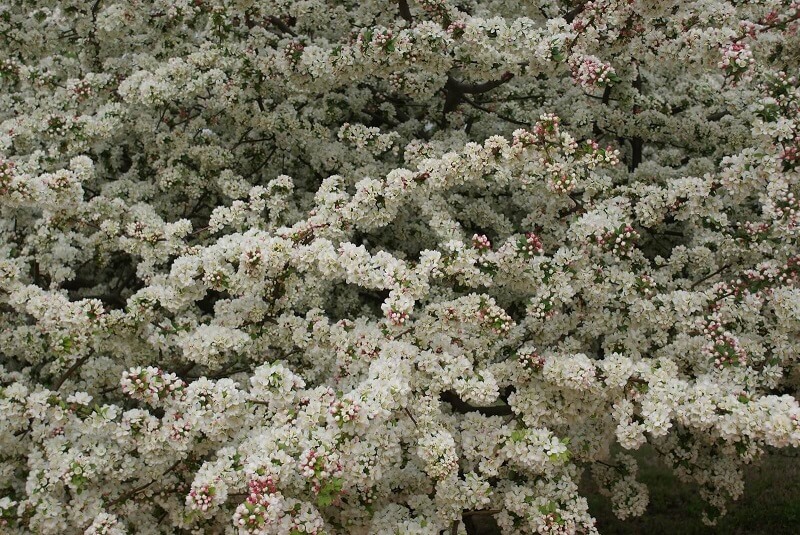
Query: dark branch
pixel 474 89
pixel 462 407
pixel 487 110
pixel 282 26
pixel 72 369
pixel 455 90
pixel 637 143
pixel 717 272
pixel 574 12
pixel 405 12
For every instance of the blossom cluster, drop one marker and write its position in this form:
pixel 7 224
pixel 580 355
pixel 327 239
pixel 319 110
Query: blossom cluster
pixel 385 267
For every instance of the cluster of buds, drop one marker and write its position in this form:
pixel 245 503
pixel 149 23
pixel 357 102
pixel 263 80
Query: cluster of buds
pixel 787 207
pixel 782 89
pixel 436 10
pixel 318 466
pixel 595 155
pixel 541 308
pixel 620 241
pixel 522 138
pixel 397 317
pixel 791 156
pixel 737 58
pixel 345 410
pixel 180 429
pixel 530 245
pixel 753 231
pixel 258 511
pixel 251 260
pixel 456 29
pixel 61 180
pixel 438 450
pixel 756 281
pixel 9 69
pixel 151 384
pixel 722 347
pixel 590 71
pixel 6 175
pixel 384 40
pixel 495 318
pixel 216 280
pixel 645 285
pixel 294 51
pixel 138 230
pixel 75 476
pixel 200 499
pixel 81 90
pixel 481 242
pixel 529 359
pixel 546 128
pixel 781 96
pixel 562 182
pixel 261 485
pixel 397 82
pixel 553 522
pixel 380 39
pixel 57 126
pixel 397 308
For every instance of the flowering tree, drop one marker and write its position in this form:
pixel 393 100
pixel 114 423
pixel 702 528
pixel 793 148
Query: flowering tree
pixel 374 267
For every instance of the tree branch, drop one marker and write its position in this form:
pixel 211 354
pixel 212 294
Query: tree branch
pixel 462 407
pixel 575 11
pixel 474 89
pixel 405 12
pixel 717 272
pixel 72 369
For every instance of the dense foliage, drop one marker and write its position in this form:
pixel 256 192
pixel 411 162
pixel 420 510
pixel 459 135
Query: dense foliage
pixel 304 267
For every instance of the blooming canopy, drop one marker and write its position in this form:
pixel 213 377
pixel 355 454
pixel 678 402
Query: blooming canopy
pixel 375 267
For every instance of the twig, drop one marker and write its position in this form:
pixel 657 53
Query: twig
pixel 615 467
pixel 282 26
pixel 72 369
pixel 408 412
pixel 487 110
pixel 717 272
pixel 133 492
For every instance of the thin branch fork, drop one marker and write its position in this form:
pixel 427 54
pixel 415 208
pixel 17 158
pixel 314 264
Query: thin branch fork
pixel 474 89
pixel 456 90
pixel 487 110
pixel 133 492
pixel 710 275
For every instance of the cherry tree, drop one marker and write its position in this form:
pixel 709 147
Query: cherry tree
pixel 374 267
